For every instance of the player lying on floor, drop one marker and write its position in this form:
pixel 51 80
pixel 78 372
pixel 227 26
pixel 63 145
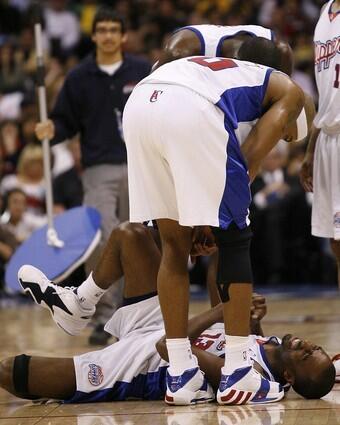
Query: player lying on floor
pixel 135 366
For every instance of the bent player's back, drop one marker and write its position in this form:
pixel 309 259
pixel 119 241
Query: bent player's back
pixel 236 87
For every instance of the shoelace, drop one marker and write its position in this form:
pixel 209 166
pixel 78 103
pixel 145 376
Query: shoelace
pixel 63 289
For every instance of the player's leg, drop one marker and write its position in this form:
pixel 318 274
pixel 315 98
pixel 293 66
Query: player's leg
pixel 185 382
pixel 130 246
pixel 132 252
pixel 326 199
pixel 173 278
pixel 240 383
pixel 38 377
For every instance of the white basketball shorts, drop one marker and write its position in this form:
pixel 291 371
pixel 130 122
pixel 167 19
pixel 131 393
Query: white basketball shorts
pixel 326 184
pixel 180 159
pixel 129 368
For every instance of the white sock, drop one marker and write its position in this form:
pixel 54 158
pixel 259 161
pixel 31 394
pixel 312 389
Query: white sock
pixel 89 293
pixel 236 353
pixel 180 355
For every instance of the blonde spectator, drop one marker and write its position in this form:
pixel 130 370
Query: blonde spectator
pixel 29 178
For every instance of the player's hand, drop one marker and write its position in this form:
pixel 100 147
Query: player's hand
pixel 306 174
pixel 259 307
pixel 203 241
pixel 45 130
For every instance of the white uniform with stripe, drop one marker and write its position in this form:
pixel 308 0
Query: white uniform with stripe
pixel 326 202
pixel 183 127
pixel 132 368
pixel 212 36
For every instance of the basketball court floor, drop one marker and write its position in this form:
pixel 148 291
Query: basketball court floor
pixel 29 329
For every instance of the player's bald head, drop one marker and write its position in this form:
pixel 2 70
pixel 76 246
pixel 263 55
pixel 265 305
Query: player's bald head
pixel 261 50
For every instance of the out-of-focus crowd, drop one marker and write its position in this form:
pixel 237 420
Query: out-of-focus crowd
pixel 283 250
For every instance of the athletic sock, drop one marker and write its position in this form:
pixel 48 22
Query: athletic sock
pixel 89 293
pixel 236 353
pixel 180 356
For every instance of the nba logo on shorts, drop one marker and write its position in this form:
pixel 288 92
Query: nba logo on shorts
pixel 337 220
pixel 95 375
pixel 154 96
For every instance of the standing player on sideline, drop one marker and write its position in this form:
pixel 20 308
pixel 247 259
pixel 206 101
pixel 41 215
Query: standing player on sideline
pixel 320 171
pixel 223 41
pixel 183 126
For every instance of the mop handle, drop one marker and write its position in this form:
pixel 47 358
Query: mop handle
pixel 52 237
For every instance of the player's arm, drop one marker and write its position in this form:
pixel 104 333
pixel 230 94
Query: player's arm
pixel 40 377
pixel 283 103
pixel 181 44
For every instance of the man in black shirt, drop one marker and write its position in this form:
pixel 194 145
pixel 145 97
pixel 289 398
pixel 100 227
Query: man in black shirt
pixel 91 103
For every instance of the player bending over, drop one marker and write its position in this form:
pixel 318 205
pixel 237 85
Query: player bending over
pixel 133 367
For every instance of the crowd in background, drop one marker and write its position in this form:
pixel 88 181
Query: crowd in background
pixel 283 250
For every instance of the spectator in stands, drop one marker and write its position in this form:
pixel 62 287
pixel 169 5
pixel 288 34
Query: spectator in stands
pixel 10 145
pixel 16 219
pixel 29 178
pixel 62 28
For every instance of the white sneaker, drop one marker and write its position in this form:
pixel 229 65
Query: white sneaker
pixel 63 303
pixel 189 388
pixel 247 386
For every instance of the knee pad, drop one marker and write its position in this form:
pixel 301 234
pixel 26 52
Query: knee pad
pixel 233 258
pixel 20 376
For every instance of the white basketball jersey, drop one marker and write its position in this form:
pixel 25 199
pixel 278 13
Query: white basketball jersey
pixel 327 70
pixel 212 36
pixel 236 87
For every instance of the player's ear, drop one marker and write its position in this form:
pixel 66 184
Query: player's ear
pixel 289 376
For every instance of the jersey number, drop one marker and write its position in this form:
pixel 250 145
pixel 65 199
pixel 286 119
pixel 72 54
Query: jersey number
pixel 214 64
pixel 337 76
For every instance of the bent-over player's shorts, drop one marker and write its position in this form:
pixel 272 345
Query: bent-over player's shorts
pixel 183 164
pixel 326 187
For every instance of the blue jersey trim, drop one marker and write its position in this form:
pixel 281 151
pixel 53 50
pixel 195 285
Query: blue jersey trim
pixel 239 104
pixel 236 196
pixel 151 386
pixel 199 35
pixel 264 357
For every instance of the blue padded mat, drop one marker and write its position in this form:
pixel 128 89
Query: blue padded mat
pixel 78 228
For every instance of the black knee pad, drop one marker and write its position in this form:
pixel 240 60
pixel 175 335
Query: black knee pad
pixel 233 258
pixel 20 376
